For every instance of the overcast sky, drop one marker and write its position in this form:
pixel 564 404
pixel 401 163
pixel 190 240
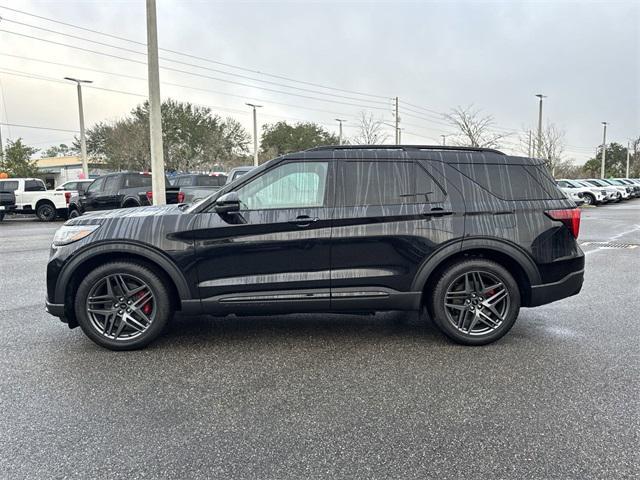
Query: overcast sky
pixel 433 55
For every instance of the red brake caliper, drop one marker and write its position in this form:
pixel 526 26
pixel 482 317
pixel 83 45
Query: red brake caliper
pixel 147 307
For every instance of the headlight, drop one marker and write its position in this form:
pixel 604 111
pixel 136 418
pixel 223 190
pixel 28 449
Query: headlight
pixel 72 233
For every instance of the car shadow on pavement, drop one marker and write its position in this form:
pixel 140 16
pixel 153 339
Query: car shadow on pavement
pixel 319 327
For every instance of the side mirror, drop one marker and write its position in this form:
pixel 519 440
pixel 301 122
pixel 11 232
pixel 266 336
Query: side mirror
pixel 228 203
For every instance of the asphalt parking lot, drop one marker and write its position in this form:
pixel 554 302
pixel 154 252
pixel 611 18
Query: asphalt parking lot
pixel 323 396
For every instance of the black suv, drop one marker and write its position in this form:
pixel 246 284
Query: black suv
pixel 465 236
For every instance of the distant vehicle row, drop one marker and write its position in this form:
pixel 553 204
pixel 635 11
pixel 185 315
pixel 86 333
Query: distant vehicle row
pixel 596 191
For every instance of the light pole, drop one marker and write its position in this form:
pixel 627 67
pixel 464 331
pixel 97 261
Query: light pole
pixel 444 139
pixel 340 120
pixel 255 133
pixel 155 116
pixel 83 141
pixel 540 96
pixel 397 115
pixel 604 147
pixel 628 157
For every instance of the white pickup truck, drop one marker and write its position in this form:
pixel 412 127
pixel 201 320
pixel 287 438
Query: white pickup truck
pixel 32 197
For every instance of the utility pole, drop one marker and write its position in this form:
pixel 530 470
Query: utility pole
pixel 540 96
pixel 604 148
pixel 340 120
pixel 255 133
pixel 1 148
pixel 444 139
pixel 155 116
pixel 397 124
pixel 628 156
pixel 83 141
pixel 400 136
pixel 530 150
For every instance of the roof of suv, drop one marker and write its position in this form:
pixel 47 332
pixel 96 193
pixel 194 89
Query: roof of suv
pixel 448 154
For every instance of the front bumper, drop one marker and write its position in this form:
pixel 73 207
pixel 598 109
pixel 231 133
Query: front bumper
pixel 55 309
pixel 550 292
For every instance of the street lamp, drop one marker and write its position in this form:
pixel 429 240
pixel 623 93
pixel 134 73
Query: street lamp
pixel 255 133
pixel 604 147
pixel 540 96
pixel 83 142
pixel 340 120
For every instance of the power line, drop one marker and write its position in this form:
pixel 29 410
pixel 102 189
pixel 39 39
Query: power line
pixel 281 77
pixel 217 92
pixel 193 73
pixel 108 45
pixel 36 127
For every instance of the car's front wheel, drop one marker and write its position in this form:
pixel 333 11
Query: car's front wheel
pixel 73 213
pixel 475 302
pixel 122 305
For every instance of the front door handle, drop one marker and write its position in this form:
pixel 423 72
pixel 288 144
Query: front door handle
pixel 437 212
pixel 303 220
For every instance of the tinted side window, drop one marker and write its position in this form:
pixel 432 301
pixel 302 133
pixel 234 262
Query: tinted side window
pixel 385 183
pixel 8 186
pixel 96 186
pixel 131 181
pixel 111 184
pixel 211 181
pixel 511 182
pixel 34 186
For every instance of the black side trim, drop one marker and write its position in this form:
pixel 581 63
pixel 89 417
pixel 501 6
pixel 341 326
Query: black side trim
pixel 550 292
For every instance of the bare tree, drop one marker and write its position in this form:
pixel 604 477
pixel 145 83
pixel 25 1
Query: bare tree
pixel 553 145
pixel 475 130
pixel 370 131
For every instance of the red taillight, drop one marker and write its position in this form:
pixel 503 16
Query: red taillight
pixel 150 197
pixel 67 197
pixel 570 217
pixel 180 197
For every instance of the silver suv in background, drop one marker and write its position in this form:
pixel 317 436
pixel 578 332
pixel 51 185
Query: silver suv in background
pixel 590 195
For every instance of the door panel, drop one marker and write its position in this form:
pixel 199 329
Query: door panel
pixel 389 218
pixel 267 259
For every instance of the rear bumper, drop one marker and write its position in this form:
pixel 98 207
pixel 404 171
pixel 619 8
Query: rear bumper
pixel 563 288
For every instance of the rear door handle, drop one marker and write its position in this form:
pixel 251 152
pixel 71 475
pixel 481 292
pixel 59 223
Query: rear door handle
pixel 303 220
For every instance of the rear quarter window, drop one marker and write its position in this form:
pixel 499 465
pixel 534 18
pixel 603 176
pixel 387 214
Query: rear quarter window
pixel 513 182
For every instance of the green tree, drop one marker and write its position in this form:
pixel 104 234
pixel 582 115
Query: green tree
pixel 61 150
pixel 193 139
pixel 615 162
pixel 280 138
pixel 17 160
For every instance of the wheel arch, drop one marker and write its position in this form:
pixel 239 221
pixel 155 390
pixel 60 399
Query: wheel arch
pixel 509 256
pixel 42 201
pixel 89 258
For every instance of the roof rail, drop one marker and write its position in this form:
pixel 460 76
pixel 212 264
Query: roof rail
pixel 404 148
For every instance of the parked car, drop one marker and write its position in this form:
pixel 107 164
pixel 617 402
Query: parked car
pixel 32 197
pixel 625 190
pixel 196 187
pixel 237 172
pixel 590 195
pixel 7 203
pixel 119 190
pixel 576 197
pixel 616 195
pixel 465 236
pixel 74 186
pixel 635 189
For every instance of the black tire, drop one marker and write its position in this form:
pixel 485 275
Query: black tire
pixel 509 306
pixel 589 199
pixel 161 305
pixel 131 204
pixel 1 217
pixel 73 213
pixel 46 212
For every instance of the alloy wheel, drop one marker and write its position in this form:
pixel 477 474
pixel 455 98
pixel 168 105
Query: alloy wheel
pixel 121 307
pixel 476 303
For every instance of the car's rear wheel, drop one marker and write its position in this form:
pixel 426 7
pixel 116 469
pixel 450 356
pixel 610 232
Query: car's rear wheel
pixel 475 302
pixel 122 305
pixel 46 212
